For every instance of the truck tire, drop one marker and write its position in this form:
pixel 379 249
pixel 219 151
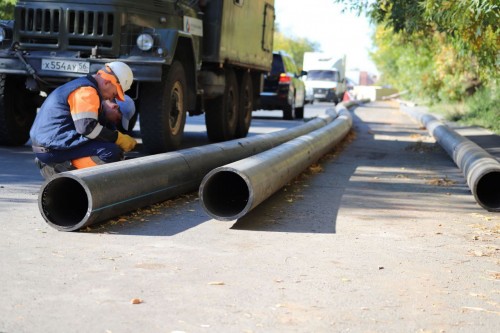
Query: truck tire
pixel 163 111
pixel 246 106
pixel 221 116
pixel 17 111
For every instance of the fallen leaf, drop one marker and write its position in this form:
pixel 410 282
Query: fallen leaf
pixel 315 168
pixel 136 301
pixel 473 308
pixel 216 283
pixel 440 182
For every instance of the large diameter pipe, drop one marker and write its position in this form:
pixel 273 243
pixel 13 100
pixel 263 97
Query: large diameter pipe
pixel 481 169
pixel 75 199
pixel 231 191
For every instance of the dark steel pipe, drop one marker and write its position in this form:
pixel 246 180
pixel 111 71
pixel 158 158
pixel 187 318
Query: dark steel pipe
pixel 75 199
pixel 231 191
pixel 481 169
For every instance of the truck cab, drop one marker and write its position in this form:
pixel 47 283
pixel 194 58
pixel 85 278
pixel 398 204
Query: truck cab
pixel 323 85
pixel 187 57
pixel 325 80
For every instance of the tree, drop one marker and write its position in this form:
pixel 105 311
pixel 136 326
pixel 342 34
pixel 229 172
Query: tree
pixel 295 47
pixel 451 46
pixel 7 9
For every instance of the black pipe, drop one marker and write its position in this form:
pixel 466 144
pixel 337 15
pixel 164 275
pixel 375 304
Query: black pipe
pixel 75 199
pixel 231 191
pixel 481 170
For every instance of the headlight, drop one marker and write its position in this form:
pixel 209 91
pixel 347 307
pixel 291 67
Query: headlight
pixel 145 42
pixel 2 34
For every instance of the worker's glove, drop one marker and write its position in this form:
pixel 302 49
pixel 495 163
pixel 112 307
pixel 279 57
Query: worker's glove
pixel 126 142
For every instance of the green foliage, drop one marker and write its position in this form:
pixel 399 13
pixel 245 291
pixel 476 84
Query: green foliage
pixel 471 27
pixel 406 64
pixel 445 48
pixel 295 47
pixel 482 109
pixel 7 9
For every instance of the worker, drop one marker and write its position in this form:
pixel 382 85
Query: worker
pixel 70 132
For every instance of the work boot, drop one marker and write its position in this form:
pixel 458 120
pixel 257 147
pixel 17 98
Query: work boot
pixel 64 166
pixel 47 170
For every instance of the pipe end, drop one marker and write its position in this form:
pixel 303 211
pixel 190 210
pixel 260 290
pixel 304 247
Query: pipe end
pixel 225 195
pixel 487 191
pixel 64 203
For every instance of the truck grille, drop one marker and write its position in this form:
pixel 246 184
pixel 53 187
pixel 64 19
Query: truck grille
pixel 77 30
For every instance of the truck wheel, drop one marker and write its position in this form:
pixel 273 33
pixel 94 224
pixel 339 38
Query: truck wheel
pixel 221 116
pixel 246 106
pixel 163 111
pixel 289 111
pixel 17 111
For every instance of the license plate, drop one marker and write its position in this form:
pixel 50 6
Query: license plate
pixel 66 66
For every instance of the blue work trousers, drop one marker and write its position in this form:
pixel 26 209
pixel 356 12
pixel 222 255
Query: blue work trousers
pixel 105 151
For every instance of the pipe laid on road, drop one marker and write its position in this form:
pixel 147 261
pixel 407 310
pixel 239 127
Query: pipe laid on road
pixel 75 199
pixel 229 192
pixel 481 169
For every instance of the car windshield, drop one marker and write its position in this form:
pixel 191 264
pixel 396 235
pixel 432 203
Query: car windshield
pixel 322 75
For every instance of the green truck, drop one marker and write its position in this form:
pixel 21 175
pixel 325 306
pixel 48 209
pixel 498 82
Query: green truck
pixel 197 57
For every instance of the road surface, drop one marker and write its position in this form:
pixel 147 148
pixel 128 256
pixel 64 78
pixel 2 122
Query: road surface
pixel 382 235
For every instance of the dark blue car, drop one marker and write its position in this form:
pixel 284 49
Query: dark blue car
pixel 283 88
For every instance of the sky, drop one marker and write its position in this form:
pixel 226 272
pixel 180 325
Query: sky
pixel 323 22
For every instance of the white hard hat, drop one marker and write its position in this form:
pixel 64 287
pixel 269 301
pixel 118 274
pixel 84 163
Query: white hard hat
pixel 123 73
pixel 127 109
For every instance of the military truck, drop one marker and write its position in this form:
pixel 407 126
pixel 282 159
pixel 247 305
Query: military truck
pixel 197 57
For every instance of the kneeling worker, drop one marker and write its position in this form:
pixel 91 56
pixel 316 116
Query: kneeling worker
pixel 70 130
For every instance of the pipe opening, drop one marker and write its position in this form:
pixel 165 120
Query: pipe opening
pixel 488 190
pixel 64 202
pixel 225 194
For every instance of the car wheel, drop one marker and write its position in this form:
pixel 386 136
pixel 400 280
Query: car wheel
pixel 299 113
pixel 289 111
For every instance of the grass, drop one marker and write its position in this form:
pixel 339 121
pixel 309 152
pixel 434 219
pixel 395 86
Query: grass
pixel 482 109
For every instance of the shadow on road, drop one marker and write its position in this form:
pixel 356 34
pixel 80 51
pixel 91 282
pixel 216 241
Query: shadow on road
pixel 380 166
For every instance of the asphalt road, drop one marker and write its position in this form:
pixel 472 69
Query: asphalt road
pixel 382 235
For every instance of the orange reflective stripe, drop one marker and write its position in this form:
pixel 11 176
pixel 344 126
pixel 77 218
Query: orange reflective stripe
pixel 83 162
pixel 84 99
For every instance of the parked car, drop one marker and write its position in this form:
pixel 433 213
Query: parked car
pixel 283 88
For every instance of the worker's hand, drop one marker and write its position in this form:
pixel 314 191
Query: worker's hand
pixel 126 142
